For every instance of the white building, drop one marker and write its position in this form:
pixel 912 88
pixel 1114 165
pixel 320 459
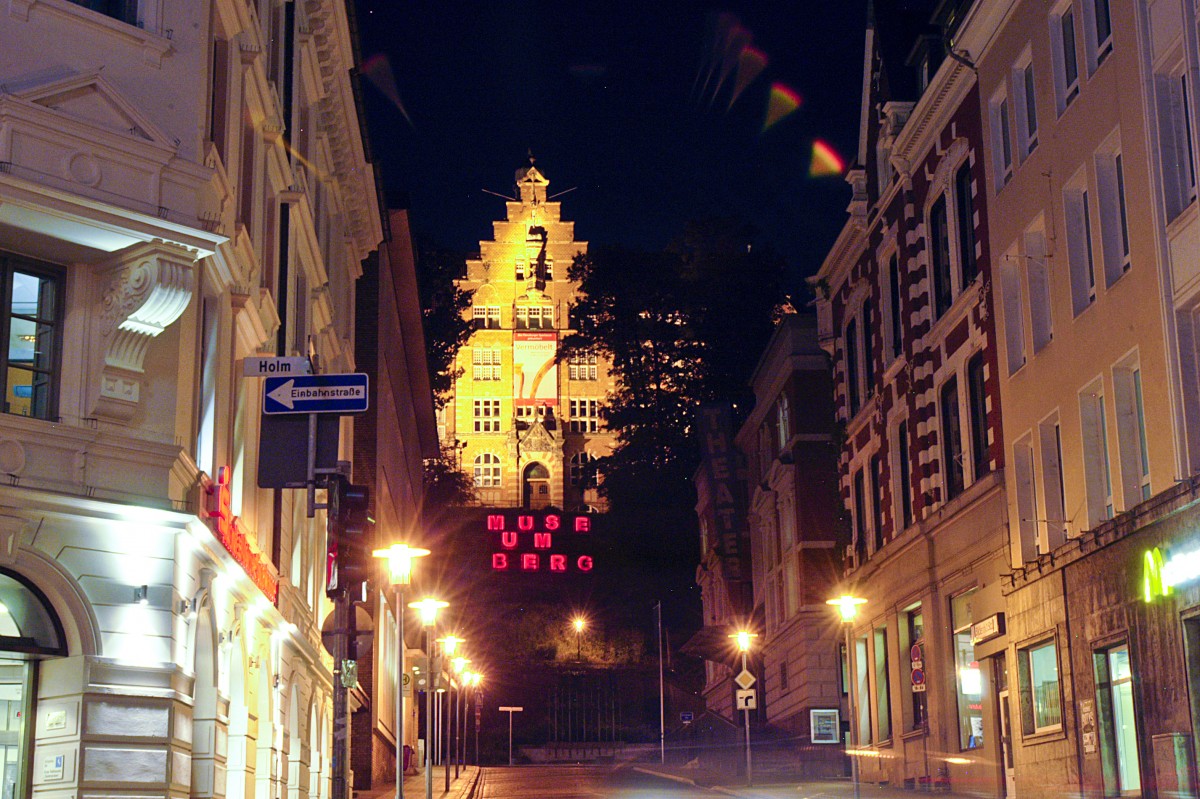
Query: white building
pixel 182 185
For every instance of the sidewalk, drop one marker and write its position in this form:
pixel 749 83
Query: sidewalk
pixel 414 785
pixel 807 789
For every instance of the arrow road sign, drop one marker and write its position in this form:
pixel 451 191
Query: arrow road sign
pixel 345 393
pixel 747 700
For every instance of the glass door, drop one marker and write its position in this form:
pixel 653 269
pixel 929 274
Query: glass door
pixel 1118 722
pixel 16 683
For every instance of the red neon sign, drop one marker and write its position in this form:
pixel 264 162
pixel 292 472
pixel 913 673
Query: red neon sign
pixel 216 512
pixel 528 541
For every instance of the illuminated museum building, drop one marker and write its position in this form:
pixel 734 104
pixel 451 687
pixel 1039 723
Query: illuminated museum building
pixel 182 185
pixel 905 301
pixel 523 424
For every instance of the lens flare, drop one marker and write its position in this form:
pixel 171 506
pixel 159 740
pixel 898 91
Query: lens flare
pixel 751 63
pixel 378 70
pixel 783 101
pixel 825 161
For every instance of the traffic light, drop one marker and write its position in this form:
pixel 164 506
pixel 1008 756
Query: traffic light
pixel 349 555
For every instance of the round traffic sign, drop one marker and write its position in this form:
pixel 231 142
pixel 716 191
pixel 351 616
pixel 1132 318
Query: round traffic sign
pixel 918 676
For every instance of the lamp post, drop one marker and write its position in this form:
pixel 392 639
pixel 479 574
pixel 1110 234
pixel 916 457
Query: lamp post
pixel 847 606
pixel 476 678
pixel 449 645
pixel 428 608
pixel 459 664
pixel 579 622
pixel 743 642
pixel 400 561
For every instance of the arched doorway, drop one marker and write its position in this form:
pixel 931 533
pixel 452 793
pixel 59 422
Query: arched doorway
pixel 29 632
pixel 535 486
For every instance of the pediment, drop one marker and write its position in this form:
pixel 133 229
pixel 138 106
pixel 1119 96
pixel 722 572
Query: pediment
pixel 537 438
pixel 91 99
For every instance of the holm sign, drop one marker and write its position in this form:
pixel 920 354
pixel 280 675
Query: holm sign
pixel 539 541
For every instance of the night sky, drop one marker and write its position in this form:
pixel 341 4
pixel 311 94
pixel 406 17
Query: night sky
pixel 612 99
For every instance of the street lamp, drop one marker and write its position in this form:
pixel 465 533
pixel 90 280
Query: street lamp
pixel 847 606
pixel 459 663
pixel 579 622
pixel 743 642
pixel 449 645
pixel 428 608
pixel 476 678
pixel 400 562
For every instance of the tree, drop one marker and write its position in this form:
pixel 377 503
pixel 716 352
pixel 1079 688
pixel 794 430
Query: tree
pixel 443 308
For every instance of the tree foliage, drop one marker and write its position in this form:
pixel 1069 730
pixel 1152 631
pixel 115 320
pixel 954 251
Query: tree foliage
pixel 681 327
pixel 443 307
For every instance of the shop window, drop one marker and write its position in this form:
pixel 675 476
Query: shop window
pixel 968 680
pixel 1117 721
pixel 914 645
pixel 1041 708
pixel 123 10
pixel 33 321
pixel 883 693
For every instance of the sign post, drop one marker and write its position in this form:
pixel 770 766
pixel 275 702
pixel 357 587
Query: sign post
pixel 510 711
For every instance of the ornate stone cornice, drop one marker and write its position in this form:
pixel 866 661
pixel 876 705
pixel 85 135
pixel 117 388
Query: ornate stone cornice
pixel 147 287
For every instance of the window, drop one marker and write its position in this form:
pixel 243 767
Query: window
pixel 1025 523
pixel 581 367
pixel 1041 709
pixel 894 310
pixel 914 626
pixel 535 317
pixel 485 363
pixel 1096 468
pixel 877 500
pixel 860 517
pixel 868 355
pixel 1066 65
pixel 581 475
pixel 1079 247
pixel 968 678
pixel 1117 718
pixel 968 265
pixel 977 402
pixel 1002 154
pixel 1027 118
pixel 487 471
pixel 904 475
pixel 1131 433
pixel 862 691
pixel 883 694
pixel 1099 31
pixel 34 322
pixel 487 415
pixel 1114 222
pixel 853 395
pixel 1011 306
pixel 123 10
pixel 1175 102
pixel 585 415
pixel 783 422
pixel 486 317
pixel 1037 276
pixel 952 455
pixel 783 676
pixel 519 270
pixel 939 242
pixel 1053 486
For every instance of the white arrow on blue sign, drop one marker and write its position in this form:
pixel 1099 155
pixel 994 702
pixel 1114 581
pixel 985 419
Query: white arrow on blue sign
pixel 346 393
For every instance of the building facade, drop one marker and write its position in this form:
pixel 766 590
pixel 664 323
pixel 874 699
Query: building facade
pixel 1091 143
pixel 795 532
pixel 524 424
pixel 905 303
pixel 183 186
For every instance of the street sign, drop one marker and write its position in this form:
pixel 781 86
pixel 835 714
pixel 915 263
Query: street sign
pixel 745 680
pixel 284 464
pixel 344 393
pixel 747 700
pixel 918 681
pixel 511 709
pixel 686 717
pixel 276 367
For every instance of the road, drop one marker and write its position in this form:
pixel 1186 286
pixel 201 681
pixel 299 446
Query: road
pixel 581 782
